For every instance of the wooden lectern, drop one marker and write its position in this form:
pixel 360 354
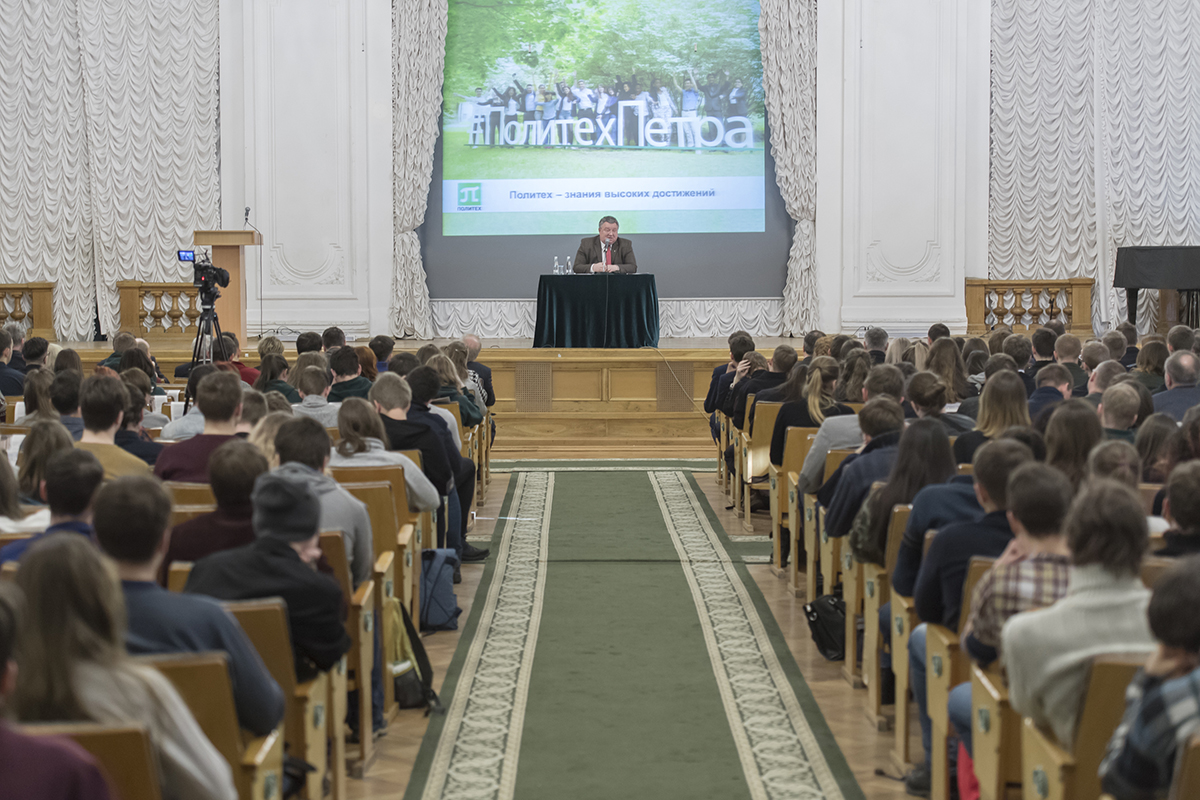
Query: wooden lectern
pixel 228 253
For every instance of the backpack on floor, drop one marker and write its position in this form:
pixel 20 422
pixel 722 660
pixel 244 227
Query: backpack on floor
pixel 827 621
pixel 439 606
pixel 412 674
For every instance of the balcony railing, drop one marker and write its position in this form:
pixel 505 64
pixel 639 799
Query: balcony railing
pixel 1027 305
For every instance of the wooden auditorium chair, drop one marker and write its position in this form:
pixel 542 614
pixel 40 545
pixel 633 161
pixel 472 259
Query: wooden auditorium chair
pixel 189 494
pixel 831 547
pixel 735 439
pixel 797 443
pixel 755 448
pixel 426 527
pixel 876 593
pixel 904 619
pixel 123 751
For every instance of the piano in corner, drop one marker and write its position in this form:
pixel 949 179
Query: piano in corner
pixel 1174 268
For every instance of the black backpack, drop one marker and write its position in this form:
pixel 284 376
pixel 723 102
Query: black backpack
pixel 827 621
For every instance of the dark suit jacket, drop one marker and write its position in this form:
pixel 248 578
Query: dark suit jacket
pixel 590 253
pixel 1175 402
pixel 710 400
pixel 271 568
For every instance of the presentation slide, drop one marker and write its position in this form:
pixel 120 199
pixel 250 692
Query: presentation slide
pixel 557 112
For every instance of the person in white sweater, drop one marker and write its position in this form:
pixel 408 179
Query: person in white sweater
pixel 74 667
pixel 1047 653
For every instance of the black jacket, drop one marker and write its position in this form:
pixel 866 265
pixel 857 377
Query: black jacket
pixel 710 400
pixel 760 381
pixel 404 434
pixel 485 382
pixel 271 568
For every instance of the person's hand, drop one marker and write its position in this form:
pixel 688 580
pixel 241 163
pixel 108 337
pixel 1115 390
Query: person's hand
pixel 613 268
pixel 1012 554
pixel 1171 662
pixel 597 267
pixel 731 366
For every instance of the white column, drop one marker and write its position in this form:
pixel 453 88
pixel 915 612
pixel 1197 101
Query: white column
pixel 306 143
pixel 902 161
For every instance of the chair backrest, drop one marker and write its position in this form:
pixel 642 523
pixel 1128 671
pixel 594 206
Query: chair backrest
pixel 1149 491
pixel 855 407
pixel 454 409
pixel 1153 568
pixel 895 535
pixel 393 474
pixel 975 571
pixel 966 469
pixel 335 434
pixel 381 508
pixel 749 402
pixel 1187 780
pixel 265 622
pixel 181 513
pixel 202 680
pixel 10 410
pixel 8 570
pixel 796 445
pixel 14 430
pixel 834 460
pixel 760 439
pixel 190 494
pixel 123 750
pixel 334 548
pixel 178 573
pixel 1102 708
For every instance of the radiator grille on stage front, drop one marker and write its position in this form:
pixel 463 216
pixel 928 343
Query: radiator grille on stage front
pixel 535 385
pixel 675 387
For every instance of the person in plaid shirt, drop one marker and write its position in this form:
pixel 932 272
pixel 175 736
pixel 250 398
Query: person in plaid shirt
pixel 1031 573
pixel 1162 703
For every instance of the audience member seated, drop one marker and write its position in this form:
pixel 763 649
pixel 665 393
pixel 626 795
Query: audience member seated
pixel 896 350
pixel 1073 430
pixel 131 437
pixel 474 346
pixel 366 360
pixel 937 596
pixel 945 360
pixel 392 398
pixel 263 435
pixel 70 482
pixel 808 403
pixel 43 440
pixel 132 517
pixel 268 346
pixel 277 402
pixel 282 563
pixel 383 347
pixel 1161 712
pixel 460 358
pixel 426 352
pixel 272 377
pixel 1180 338
pixel 936 331
pixel 1150 368
pixel 1053 386
pixel 768 386
pixel 34 353
pixel 881 422
pixel 332 338
pixel 1067 349
pixel 1043 340
pixel 219 398
pixel 254 408
pixel 232 470
pixel 1103 376
pixel 1181 507
pixel 74 667
pixel 923 457
pixel 1118 411
pixel 347 376
pixel 138 380
pixel 1145 403
pixel 424 382
pixel 303 448
pixel 452 388
pixel 1021 350
pixel 37 767
pixel 102 401
pixel 308 342
pixel 1031 573
pixel 12 518
pixel 38 405
pixel 740 343
pixel 928 394
pixel 192 423
pixel 68 359
pixel 838 431
pixel 64 396
pixel 313 387
pixel 136 358
pixel 403 363
pixel 232 347
pixel 363 445
pixel 1047 652
pixel 1002 405
pixel 1182 371
pixel 852 374
pixel 124 340
pixel 306 360
pixel 750 366
pixel 996 362
pixel 1151 442
pixel 875 340
pixel 1127 330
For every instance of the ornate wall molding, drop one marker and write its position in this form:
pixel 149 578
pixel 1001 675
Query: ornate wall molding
pixel 678 318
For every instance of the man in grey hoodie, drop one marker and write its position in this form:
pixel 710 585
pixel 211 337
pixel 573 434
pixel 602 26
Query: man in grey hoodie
pixel 303 447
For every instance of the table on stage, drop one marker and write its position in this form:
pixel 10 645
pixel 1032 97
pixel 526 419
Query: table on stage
pixel 1175 268
pixel 597 310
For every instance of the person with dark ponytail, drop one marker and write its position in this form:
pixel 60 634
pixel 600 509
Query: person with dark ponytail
pixel 929 395
pixel 807 401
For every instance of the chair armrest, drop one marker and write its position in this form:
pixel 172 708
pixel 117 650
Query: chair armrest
pixel 362 595
pixel 1045 765
pixel 947 666
pixel 384 562
pixel 258 749
pixel 406 535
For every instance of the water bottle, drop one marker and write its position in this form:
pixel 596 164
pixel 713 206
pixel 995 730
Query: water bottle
pixel 567 270
pixel 557 268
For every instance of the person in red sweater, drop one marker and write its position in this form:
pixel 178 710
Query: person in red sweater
pixel 219 398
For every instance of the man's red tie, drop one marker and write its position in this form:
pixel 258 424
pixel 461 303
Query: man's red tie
pixel 608 256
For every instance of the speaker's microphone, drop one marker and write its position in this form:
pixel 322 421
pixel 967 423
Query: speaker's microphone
pixel 246 221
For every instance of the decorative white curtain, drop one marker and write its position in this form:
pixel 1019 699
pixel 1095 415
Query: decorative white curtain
pixel 45 198
pixel 150 76
pixel 1095 139
pixel 418 53
pixel 788 35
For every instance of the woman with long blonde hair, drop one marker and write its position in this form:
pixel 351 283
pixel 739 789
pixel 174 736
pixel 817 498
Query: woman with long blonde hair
pixel 313 358
pixel 262 435
pixel 896 349
pixel 1001 405
pixel 810 409
pixel 74 667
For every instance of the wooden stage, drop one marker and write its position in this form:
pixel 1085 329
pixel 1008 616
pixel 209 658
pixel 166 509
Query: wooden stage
pixel 571 403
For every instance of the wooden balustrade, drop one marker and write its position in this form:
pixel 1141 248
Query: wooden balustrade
pixel 1027 305
pixel 39 319
pixel 170 316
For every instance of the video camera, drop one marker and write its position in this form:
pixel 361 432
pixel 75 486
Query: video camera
pixel 205 276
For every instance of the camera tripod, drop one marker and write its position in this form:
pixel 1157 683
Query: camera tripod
pixel 208 344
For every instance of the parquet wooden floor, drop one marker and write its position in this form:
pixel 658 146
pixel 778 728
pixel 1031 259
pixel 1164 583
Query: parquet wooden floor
pixel 866 749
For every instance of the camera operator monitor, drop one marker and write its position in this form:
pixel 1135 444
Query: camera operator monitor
pixel 187 255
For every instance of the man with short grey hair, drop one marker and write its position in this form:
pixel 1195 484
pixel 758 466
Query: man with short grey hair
pixel 1102 377
pixel 605 252
pixel 876 341
pixel 1182 372
pixel 474 347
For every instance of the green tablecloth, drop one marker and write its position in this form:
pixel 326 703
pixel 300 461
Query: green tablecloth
pixel 603 310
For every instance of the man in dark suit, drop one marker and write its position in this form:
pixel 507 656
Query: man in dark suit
pixel 474 346
pixel 605 252
pixel 1182 374
pixel 282 563
pixel 12 381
